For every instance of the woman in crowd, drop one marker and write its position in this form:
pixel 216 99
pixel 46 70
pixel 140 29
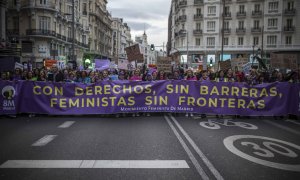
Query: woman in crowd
pixel 66 75
pixel 204 77
pixel 221 77
pixel 161 75
pixel 136 75
pixel 190 77
pixel 4 76
pixel 30 76
pixel 230 75
pixel 84 78
pixel 42 76
pixel 17 76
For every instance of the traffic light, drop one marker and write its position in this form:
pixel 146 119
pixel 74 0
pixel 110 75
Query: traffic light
pixel 211 63
pixel 152 48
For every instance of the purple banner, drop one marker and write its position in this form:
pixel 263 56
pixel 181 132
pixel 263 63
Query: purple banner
pixel 109 97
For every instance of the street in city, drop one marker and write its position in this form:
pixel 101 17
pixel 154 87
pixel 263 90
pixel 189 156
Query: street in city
pixel 162 146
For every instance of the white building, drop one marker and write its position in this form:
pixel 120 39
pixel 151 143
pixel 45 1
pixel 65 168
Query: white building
pixel 150 57
pixel 195 28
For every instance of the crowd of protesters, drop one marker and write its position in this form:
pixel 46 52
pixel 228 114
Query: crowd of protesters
pixel 88 76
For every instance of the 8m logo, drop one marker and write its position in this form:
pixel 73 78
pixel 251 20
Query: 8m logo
pixel 8 93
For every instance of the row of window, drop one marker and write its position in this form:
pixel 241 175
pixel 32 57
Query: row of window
pixel 272 6
pixel 272 24
pixel 271 40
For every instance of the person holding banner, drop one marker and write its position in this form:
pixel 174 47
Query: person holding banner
pixel 136 75
pixel 4 76
pixel 30 76
pixel 84 78
pixel 122 76
pixel 204 77
pixel 190 77
pixel 17 75
pixel 221 77
pixel 230 75
pixel 42 76
pixel 105 75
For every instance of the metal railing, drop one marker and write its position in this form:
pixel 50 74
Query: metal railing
pixel 290 12
pixel 256 30
pixel 197 32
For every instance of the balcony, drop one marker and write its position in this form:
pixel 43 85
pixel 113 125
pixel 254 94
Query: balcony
pixel 256 13
pixel 40 32
pixel 198 16
pixel 227 15
pixel 228 1
pixel 227 31
pixel 197 32
pixel 241 14
pixel 182 3
pixel 12 32
pixel 198 2
pixel 241 0
pixel 240 30
pixel 289 28
pixel 256 30
pixel 34 5
pixel 182 18
pixel 290 12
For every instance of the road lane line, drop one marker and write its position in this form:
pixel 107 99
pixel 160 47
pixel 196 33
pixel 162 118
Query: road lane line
pixel 210 166
pixel 298 123
pixel 188 151
pixel 97 164
pixel 44 140
pixel 66 124
pixel 283 127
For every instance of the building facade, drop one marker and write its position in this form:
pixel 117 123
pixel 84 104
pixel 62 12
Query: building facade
pixel 43 29
pixel 121 39
pixel 195 28
pixel 150 57
pixel 100 25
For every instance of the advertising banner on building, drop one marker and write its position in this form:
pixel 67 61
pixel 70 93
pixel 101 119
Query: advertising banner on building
pixel 109 97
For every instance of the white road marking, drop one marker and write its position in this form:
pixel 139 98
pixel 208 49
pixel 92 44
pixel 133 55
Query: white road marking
pixel 295 122
pixel 229 144
pixel 188 151
pixel 44 141
pixel 283 127
pixel 119 164
pixel 210 166
pixel 66 124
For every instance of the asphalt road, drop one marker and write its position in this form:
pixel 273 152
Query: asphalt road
pixel 156 147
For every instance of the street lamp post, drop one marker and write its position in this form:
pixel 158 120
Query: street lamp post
pixel 73 30
pixel 258 52
pixel 187 48
pixel 223 22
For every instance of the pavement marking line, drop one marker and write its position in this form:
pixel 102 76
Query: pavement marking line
pixel 298 123
pixel 97 164
pixel 188 151
pixel 66 124
pixel 283 127
pixel 210 166
pixel 44 140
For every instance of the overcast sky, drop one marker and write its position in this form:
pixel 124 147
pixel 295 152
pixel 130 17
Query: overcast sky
pixel 151 14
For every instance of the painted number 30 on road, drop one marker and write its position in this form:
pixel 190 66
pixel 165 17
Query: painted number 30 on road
pixel 269 149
